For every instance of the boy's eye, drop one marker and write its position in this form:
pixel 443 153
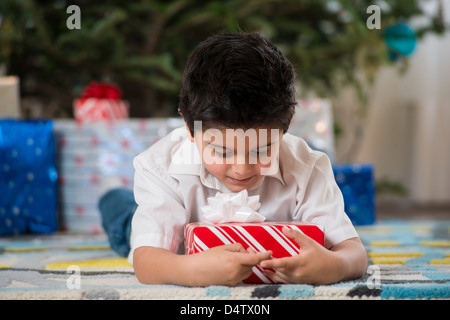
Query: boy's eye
pixel 262 152
pixel 220 153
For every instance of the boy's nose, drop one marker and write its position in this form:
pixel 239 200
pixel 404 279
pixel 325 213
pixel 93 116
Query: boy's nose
pixel 242 169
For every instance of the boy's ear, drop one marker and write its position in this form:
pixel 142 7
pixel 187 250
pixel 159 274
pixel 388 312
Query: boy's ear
pixel 190 137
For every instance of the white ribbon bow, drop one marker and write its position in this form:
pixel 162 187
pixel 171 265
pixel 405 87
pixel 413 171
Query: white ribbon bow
pixel 232 207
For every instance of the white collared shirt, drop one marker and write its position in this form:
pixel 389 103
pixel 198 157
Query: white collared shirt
pixel 170 195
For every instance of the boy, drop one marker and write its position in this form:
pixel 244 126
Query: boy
pixel 237 100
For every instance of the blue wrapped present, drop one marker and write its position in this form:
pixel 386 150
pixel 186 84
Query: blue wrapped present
pixel 357 185
pixel 28 177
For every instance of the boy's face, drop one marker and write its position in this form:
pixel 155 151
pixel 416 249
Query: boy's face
pixel 239 158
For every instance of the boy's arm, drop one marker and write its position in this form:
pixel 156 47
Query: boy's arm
pixel 318 265
pixel 353 257
pixel 224 265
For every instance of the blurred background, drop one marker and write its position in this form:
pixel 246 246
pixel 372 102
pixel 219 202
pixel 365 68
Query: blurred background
pixel 383 65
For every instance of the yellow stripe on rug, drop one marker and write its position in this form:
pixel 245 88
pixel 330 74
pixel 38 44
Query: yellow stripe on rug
pixel 440 261
pixel 443 243
pixel 90 247
pixel 385 243
pixel 388 261
pixel 395 254
pixel 421 229
pixel 25 249
pixel 97 263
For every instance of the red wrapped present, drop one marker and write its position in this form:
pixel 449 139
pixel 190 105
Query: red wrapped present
pixel 100 102
pixel 260 236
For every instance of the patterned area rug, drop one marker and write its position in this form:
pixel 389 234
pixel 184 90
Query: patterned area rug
pixel 407 260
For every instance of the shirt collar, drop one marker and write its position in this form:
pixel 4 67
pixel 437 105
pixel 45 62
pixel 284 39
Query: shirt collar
pixel 186 160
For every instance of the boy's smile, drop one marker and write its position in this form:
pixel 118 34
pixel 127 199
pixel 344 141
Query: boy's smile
pixel 239 158
pixel 241 181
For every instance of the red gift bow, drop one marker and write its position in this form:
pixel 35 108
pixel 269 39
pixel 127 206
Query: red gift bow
pixel 101 90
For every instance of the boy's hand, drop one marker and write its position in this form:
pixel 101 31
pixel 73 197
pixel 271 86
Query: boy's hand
pixel 314 264
pixel 225 265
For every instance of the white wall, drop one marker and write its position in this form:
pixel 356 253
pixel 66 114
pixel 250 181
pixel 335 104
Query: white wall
pixel 407 136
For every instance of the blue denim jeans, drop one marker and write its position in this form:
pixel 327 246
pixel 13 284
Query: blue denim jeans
pixel 117 207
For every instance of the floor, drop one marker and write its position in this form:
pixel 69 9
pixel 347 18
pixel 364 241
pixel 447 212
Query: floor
pixel 409 259
pixel 408 211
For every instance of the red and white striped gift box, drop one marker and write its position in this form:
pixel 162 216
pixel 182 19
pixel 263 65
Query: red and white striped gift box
pixel 261 237
pixel 94 109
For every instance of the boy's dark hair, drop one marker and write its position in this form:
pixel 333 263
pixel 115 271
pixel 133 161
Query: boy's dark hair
pixel 237 80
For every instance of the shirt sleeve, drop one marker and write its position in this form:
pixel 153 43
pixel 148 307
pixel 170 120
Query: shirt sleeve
pixel 320 201
pixel 160 215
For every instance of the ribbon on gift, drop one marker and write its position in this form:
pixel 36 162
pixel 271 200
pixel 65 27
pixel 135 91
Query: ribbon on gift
pixel 100 101
pixel 232 207
pixel 101 90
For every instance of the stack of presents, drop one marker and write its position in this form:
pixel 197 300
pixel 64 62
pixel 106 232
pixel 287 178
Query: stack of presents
pixel 52 172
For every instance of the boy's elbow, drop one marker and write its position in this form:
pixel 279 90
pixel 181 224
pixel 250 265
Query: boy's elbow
pixel 142 267
pixel 360 266
pixel 354 258
pixel 154 265
pixel 141 275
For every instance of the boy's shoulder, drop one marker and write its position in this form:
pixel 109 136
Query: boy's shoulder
pixel 297 150
pixel 297 157
pixel 161 152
